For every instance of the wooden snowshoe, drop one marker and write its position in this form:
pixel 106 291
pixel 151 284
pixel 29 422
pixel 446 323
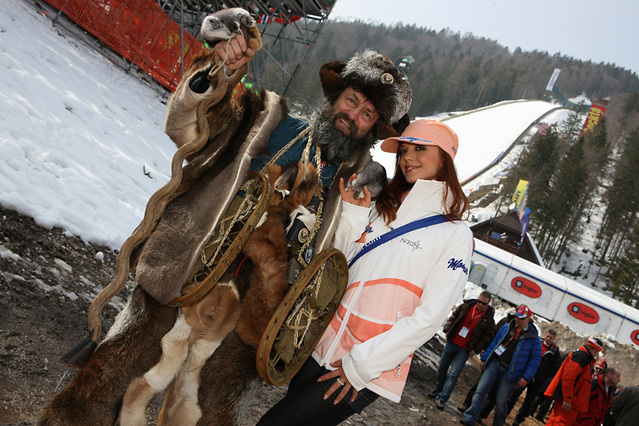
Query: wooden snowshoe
pixel 302 317
pixel 237 225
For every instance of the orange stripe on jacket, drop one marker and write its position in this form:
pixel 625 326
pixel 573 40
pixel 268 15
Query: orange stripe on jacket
pixel 391 281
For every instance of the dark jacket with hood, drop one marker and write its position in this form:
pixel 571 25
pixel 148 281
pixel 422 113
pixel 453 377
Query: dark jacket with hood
pixel 550 363
pixel 625 406
pixel 483 331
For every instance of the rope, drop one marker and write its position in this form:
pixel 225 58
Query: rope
pixel 222 61
pixel 299 313
pixel 286 148
pixel 226 225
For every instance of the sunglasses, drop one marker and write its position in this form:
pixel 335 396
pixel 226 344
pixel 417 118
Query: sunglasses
pixel 482 303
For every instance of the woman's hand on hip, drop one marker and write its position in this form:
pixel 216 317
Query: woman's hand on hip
pixel 341 382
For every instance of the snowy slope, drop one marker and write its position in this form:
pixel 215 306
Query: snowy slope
pixel 483 134
pixel 77 134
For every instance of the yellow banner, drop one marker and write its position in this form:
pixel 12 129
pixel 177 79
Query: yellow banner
pixel 520 192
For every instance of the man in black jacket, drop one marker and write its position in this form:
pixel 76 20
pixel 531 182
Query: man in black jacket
pixel 469 331
pixel 550 363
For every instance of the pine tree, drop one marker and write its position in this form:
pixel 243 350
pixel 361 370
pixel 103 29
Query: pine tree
pixel 536 165
pixel 565 202
pixel 571 127
pixel 598 148
pixel 623 199
pixel 625 273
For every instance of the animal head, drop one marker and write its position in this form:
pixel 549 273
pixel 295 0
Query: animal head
pixel 226 23
pixel 295 184
pixel 373 176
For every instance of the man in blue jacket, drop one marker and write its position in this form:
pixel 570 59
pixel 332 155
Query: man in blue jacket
pixel 512 358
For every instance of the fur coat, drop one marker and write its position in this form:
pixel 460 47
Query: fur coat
pixel 239 129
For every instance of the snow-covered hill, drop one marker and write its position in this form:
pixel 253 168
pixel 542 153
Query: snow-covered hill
pixel 81 143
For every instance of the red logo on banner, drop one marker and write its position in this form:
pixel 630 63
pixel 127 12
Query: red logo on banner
pixel 634 336
pixel 526 287
pixel 583 313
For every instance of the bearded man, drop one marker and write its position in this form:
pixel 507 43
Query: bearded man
pixel 220 137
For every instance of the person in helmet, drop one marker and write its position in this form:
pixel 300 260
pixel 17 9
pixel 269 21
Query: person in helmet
pixel 570 388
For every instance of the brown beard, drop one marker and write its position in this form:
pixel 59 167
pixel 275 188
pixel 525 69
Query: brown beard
pixel 337 146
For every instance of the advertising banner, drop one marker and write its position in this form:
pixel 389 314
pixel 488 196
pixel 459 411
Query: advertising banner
pixel 520 197
pixel 553 79
pixel 596 113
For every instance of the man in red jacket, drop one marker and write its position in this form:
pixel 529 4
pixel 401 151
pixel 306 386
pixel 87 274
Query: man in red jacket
pixel 469 331
pixel 571 385
pixel 601 392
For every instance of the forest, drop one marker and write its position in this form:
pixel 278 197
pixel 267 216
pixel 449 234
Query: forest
pixel 451 71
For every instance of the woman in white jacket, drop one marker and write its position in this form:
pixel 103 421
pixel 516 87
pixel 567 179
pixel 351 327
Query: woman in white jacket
pixel 400 291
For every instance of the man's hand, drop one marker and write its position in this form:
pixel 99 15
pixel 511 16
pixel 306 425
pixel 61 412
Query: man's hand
pixel 341 382
pixel 234 52
pixel 567 405
pixel 522 383
pixel 349 196
pixel 471 353
pixel 482 365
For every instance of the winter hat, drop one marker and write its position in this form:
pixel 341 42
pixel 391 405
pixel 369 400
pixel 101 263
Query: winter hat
pixel 595 343
pixel 374 75
pixel 425 132
pixel 601 362
pixel 523 312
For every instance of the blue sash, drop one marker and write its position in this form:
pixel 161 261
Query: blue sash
pixel 421 223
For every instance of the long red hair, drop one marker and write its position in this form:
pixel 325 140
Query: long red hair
pixel 390 199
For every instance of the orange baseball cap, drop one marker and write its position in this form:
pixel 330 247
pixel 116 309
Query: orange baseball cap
pixel 425 132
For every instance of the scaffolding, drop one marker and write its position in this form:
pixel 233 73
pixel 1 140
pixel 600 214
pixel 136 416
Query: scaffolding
pixel 282 25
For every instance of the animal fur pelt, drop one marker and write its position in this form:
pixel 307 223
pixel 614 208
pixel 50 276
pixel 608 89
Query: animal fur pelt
pixel 202 327
pixel 94 395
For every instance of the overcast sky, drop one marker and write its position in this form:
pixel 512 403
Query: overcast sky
pixel 601 31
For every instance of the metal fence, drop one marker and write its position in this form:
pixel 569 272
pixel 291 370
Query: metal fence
pixel 140 31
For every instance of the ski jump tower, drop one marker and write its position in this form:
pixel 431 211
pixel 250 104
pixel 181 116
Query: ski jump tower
pixel 283 24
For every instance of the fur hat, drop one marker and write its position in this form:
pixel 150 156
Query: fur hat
pixel 425 132
pixel 375 76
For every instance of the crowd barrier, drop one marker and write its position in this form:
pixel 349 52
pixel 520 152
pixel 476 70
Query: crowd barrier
pixel 140 31
pixel 553 296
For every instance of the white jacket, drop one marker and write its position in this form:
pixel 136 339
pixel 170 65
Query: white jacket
pixel 399 294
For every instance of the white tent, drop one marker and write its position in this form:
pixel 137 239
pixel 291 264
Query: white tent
pixel 538 288
pixel 629 330
pixel 588 311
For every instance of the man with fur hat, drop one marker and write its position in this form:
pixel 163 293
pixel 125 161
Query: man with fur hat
pixel 570 388
pixel 220 137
